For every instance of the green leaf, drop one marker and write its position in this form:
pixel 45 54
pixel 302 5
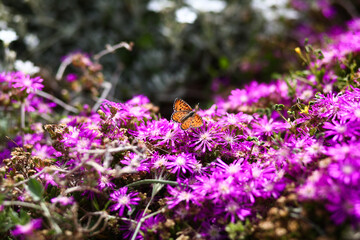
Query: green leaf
pixel 2 197
pixel 14 216
pixel 278 107
pixel 252 139
pixel 96 204
pixel 313 131
pixel 224 63
pixel 291 112
pixel 35 189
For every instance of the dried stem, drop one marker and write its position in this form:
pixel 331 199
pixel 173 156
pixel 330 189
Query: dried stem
pixel 107 87
pixel 22 120
pixel 82 188
pixel 62 68
pixel 57 101
pixel 32 177
pixel 110 150
pixel 47 214
pixel 143 219
pixel 110 49
pixel 22 204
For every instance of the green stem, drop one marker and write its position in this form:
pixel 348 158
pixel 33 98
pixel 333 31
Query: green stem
pixel 142 220
pixel 150 181
pixel 22 120
pixel 22 204
pixel 47 214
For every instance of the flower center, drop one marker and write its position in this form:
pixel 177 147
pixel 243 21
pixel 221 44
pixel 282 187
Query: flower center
pixel 357 113
pixel 347 169
pixel 180 161
pixel 232 207
pixel 341 129
pixel 204 136
pixel 124 200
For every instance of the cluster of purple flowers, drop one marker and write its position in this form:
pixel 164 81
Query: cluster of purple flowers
pixel 247 152
pixel 337 179
pixel 17 88
pixel 343 44
pixel 20 81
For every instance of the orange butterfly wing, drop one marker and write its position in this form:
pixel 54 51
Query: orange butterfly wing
pixel 178 116
pixel 185 125
pixel 196 121
pixel 182 110
pixel 181 105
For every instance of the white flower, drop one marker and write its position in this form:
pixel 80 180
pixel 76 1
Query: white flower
pixel 26 67
pixel 185 15
pixel 159 5
pixel 274 9
pixel 8 36
pixel 31 40
pixel 207 5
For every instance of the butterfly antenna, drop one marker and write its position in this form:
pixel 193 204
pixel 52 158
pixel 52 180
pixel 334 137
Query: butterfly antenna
pixel 197 107
pixel 12 141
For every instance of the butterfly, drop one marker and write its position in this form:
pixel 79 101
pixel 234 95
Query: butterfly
pixel 185 115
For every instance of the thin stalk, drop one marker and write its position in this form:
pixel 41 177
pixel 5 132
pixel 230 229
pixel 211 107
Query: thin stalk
pixel 57 101
pixel 142 220
pixel 22 121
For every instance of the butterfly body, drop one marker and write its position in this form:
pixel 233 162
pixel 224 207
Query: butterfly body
pixel 185 115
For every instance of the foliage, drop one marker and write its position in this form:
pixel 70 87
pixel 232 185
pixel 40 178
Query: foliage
pixel 275 160
pixel 222 48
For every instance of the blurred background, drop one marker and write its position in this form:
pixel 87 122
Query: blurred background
pixel 195 50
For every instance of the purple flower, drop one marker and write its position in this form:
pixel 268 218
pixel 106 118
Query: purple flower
pixel 342 44
pixel 49 179
pixel 104 182
pixel 222 188
pixel 123 200
pixel 206 138
pixel 344 151
pixel 231 169
pixel 252 93
pixel 71 77
pixel 6 153
pixel 181 195
pixel 80 137
pixel 28 228
pixel 239 97
pixel 308 191
pixel 135 163
pixel 158 161
pixel 211 231
pixel 326 106
pixel 181 163
pixel 37 104
pixel 32 138
pixel 152 223
pixel 121 113
pixel 344 205
pixel 138 100
pixel 63 200
pixel 340 130
pixel 230 138
pixel 345 171
pixel 128 227
pixel 43 151
pixel 160 132
pixel 327 10
pixel 28 84
pixel 240 119
pixel 235 211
